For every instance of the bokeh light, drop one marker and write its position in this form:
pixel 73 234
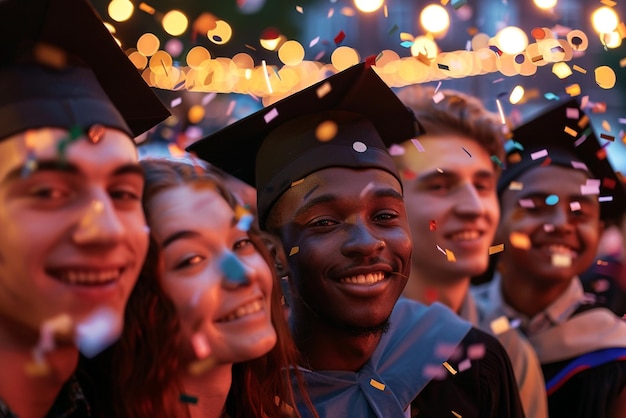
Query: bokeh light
pixel 221 34
pixel 148 44
pixel 511 40
pixel 121 10
pixel 545 4
pixel 368 6
pixel 435 19
pixel 175 22
pixel 604 19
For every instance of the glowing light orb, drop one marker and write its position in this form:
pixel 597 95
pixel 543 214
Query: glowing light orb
pixel 604 19
pixel 291 53
pixel 434 18
pixel 221 34
pixel 517 94
pixel 121 10
pixel 511 40
pixel 175 22
pixel 545 4
pixel 368 6
pixel 148 44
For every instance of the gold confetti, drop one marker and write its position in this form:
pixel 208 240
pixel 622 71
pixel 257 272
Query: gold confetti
pixel 516 185
pixel 146 8
pixel 561 260
pixel 294 250
pixel 519 240
pixel 323 90
pixel 609 3
pixel 570 131
pixel 494 249
pixel 579 69
pixel 573 90
pixel 450 256
pixel 456 414
pixel 499 325
pixel 584 121
pixel 449 367
pixel 297 182
pixel 299 9
pixel 377 385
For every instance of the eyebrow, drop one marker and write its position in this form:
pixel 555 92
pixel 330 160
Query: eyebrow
pixel 542 195
pixel 330 198
pixel 483 174
pixel 185 233
pixel 68 168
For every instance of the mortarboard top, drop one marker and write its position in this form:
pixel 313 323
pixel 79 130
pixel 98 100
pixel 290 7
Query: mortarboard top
pixel 60 67
pixel 564 134
pixel 280 144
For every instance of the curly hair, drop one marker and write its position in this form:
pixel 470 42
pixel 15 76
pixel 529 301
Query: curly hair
pixel 456 113
pixel 146 358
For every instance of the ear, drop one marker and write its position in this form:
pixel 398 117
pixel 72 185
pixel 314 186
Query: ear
pixel 278 255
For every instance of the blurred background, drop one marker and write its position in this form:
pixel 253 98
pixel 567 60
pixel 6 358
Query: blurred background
pixel 213 62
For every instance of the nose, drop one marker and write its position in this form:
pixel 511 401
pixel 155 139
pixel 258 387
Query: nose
pixel 361 241
pixel 559 218
pixel 99 224
pixel 234 273
pixel 469 202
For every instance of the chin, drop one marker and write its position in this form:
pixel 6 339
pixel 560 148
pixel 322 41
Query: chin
pixel 246 349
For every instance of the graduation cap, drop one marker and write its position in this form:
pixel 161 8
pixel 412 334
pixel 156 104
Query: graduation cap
pixel 563 136
pixel 60 67
pixel 346 120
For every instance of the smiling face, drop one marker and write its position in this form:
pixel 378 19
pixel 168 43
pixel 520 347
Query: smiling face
pixel 72 235
pixel 453 183
pixel 549 242
pixel 346 238
pixel 201 249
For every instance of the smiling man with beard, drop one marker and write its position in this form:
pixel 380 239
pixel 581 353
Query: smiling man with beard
pixel 329 190
pixel 555 192
pixel 72 229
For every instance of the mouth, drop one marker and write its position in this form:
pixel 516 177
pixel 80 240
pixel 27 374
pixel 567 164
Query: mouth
pixel 560 251
pixel 465 235
pixel 364 279
pixel 242 311
pixel 86 277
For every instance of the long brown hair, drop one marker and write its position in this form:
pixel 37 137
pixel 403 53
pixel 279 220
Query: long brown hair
pixel 146 358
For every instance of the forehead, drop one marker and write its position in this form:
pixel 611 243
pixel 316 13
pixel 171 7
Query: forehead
pixel 114 148
pixel 343 184
pixel 439 150
pixel 189 207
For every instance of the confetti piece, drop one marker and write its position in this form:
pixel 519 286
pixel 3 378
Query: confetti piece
pixel 548 227
pixel 465 365
pixel 396 150
pixel 605 199
pixel 441 249
pixel 516 185
pixel 450 256
pixel 443 67
pixel 438 97
pixel 96 332
pixel 526 203
pixel 539 154
pixel 245 222
pixel 590 189
pixel 323 90
pixel 200 345
pixel 393 30
pixel 579 69
pixel 417 144
pixel 294 250
pixel 299 9
pixel 200 367
pixel 175 102
pixel 494 249
pixel 314 42
pixel 377 385
pixel 573 90
pixel 501 112
pixel 267 77
pixel 432 225
pixel 551 96
pixel 234 272
pixel 519 240
pixel 269 116
pixel 359 146
pixel 456 414
pixel 607 137
pixel 572 113
pixel 146 8
pixel 552 200
pixel 184 398
pixel 496 160
pixel 476 351
pixel 466 151
pixel 574 206
pixel 457 4
pixel 435 372
pixel 449 368
pixel 500 325
pixel 339 37
pixel 561 260
pixel 366 189
pixel 608 183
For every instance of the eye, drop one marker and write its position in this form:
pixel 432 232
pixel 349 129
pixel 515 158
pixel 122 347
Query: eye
pixel 50 193
pixel 125 194
pixel 324 222
pixel 243 244
pixel 189 261
pixel 386 216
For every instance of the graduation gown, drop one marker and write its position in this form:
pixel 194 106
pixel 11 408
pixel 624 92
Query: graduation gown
pixel 407 360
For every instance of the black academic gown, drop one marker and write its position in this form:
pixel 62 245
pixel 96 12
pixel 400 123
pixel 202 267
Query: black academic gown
pixel 486 390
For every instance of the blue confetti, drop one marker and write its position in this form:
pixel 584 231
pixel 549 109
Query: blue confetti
pixel 245 222
pixel 233 270
pixel 552 200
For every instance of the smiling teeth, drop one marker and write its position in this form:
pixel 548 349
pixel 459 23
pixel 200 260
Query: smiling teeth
pixel 466 235
pixel 369 278
pixel 89 277
pixel 562 250
pixel 240 312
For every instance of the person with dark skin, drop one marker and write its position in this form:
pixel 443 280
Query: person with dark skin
pixel 72 230
pixel 555 193
pixel 327 188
